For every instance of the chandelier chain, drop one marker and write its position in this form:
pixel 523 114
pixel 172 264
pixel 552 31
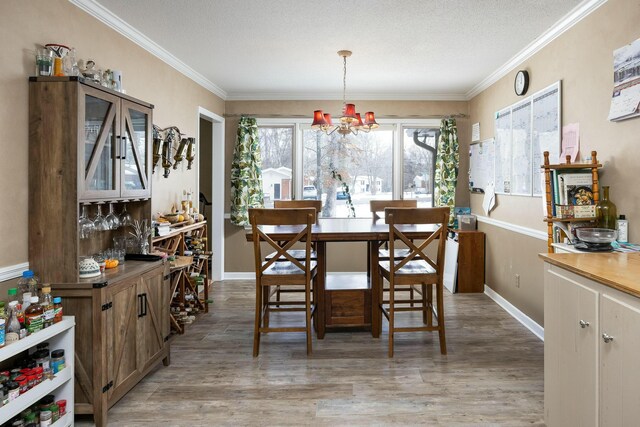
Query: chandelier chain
pixel 344 81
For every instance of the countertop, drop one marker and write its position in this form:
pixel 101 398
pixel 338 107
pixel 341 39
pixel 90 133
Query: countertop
pixel 123 271
pixel 616 270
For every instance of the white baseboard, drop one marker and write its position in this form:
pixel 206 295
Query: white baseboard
pixel 13 271
pixel 528 322
pixel 242 275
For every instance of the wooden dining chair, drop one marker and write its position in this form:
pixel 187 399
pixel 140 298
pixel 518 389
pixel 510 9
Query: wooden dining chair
pixel 377 207
pixel 277 271
pixel 417 268
pixel 296 253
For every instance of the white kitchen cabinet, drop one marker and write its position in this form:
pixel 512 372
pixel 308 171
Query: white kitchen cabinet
pixel 591 350
pixel 59 336
pixel 619 373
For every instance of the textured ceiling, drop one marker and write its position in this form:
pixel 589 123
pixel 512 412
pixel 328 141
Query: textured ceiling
pixel 286 49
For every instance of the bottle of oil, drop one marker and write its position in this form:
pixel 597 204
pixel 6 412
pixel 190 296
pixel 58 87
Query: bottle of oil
pixel 33 316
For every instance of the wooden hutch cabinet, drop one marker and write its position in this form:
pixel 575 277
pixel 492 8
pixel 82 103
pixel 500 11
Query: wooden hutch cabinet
pixel 89 145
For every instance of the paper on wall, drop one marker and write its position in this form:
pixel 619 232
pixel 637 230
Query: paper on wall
pixel 570 142
pixel 489 201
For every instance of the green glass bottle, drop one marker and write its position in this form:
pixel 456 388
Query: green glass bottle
pixel 606 211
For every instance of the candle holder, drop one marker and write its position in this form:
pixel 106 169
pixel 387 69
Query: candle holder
pixel 179 153
pixel 190 153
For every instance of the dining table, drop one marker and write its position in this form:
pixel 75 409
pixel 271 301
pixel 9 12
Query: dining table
pixel 326 230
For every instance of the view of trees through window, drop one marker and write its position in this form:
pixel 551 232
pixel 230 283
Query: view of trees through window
pixel 419 156
pixel 363 161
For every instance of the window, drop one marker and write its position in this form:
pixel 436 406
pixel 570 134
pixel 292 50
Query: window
pixel 276 147
pixel 418 165
pixel 395 161
pixel 363 161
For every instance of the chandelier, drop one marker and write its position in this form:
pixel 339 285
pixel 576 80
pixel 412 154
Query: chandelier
pixel 350 121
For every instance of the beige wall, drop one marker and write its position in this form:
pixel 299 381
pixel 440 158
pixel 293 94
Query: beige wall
pixel 583 59
pixel 26 24
pixel 342 257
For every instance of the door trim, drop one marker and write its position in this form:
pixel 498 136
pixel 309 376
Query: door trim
pixel 217 188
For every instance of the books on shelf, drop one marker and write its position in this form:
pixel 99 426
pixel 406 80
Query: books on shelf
pixel 572 195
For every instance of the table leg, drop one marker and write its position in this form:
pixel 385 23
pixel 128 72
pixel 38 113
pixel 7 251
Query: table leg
pixel 319 317
pixel 376 291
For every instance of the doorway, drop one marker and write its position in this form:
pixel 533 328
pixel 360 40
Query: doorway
pixel 211 184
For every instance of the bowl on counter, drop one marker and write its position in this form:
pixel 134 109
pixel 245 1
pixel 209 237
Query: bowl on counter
pixel 596 235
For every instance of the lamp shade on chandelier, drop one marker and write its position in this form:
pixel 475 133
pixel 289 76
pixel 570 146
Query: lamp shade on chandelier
pixel 350 121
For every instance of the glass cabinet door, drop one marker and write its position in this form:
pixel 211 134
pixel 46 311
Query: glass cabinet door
pixel 98 148
pixel 136 133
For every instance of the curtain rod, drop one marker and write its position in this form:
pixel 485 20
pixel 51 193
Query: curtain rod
pixel 389 116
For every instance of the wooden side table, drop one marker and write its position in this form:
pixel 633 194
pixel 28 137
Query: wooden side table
pixel 471 256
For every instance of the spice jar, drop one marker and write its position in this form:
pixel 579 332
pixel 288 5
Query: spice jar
pixel 32 381
pixel 62 404
pixel 45 418
pixel 55 413
pixel 15 373
pixel 14 390
pixel 57 309
pixel 57 360
pixel 30 420
pixel 39 373
pixel 22 382
pixel 42 359
pixel 45 403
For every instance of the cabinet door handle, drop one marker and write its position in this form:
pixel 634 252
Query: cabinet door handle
pixel 583 324
pixel 607 338
pixel 144 296
pixel 123 153
pixel 140 306
pixel 117 146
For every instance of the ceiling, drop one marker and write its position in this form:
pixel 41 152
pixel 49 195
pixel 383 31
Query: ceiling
pixel 286 49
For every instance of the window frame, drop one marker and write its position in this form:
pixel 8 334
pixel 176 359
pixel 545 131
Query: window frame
pixel 397 125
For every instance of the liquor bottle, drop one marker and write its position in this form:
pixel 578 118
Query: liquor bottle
pixel 606 211
pixel 47 307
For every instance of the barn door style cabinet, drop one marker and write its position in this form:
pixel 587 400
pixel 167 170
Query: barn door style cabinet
pixel 89 145
pixel 113 150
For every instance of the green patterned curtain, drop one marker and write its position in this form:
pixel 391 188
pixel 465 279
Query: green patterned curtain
pixel 246 172
pixel 447 163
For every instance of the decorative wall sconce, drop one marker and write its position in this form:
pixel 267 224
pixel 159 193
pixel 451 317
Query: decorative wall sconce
pixel 191 155
pixel 166 146
pixel 179 153
pixel 157 145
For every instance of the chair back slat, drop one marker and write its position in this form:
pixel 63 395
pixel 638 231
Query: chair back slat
pixel 403 216
pixel 300 220
pixel 380 205
pixel 297 204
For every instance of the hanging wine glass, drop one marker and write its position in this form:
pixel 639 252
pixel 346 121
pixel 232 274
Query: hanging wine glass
pixel 112 219
pixel 99 221
pixel 86 227
pixel 125 217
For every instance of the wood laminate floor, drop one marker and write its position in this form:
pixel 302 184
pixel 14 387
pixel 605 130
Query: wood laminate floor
pixel 492 374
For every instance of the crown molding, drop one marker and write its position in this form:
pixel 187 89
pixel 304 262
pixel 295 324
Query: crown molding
pixel 337 96
pixel 116 23
pixel 572 18
pixel 111 20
